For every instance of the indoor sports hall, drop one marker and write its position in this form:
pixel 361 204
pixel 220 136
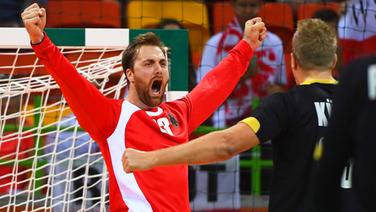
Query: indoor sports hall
pixel 49 163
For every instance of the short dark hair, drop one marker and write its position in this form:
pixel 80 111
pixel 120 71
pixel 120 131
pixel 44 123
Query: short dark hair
pixel 130 53
pixel 327 15
pixel 169 21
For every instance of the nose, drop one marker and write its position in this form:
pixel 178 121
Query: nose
pixel 159 69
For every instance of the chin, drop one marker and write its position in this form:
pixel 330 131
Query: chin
pixel 153 101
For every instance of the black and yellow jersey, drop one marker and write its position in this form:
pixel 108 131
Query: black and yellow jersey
pixel 351 134
pixel 295 122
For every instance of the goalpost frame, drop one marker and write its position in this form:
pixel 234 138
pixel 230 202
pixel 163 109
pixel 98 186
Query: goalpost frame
pixel 175 40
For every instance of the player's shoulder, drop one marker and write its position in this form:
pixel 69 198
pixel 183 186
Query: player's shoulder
pixel 306 94
pixel 276 99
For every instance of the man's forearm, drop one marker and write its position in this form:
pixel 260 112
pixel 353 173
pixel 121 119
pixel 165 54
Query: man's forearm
pixel 213 147
pixel 206 149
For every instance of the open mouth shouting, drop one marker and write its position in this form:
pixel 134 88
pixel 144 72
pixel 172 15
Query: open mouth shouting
pixel 156 88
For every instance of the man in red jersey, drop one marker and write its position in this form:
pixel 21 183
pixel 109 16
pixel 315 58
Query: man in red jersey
pixel 142 120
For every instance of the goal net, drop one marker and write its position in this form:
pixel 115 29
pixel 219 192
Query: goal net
pixel 47 162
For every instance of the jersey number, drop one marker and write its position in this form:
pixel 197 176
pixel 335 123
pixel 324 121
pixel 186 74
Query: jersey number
pixel 164 125
pixel 372 82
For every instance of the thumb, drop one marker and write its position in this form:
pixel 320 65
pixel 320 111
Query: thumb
pixel 43 16
pixel 42 12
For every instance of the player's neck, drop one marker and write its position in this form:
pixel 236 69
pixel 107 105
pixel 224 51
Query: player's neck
pixel 315 75
pixel 135 100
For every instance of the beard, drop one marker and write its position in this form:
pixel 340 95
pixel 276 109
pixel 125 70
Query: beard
pixel 143 94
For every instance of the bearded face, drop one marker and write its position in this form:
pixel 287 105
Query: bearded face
pixel 150 93
pixel 150 75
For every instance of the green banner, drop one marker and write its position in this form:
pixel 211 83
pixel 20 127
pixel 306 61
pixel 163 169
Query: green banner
pixel 67 36
pixel 177 41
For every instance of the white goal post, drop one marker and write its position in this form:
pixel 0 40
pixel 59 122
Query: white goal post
pixel 47 162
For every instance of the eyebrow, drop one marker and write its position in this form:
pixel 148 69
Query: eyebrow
pixel 153 60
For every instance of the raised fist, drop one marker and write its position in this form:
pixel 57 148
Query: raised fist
pixel 254 32
pixel 34 19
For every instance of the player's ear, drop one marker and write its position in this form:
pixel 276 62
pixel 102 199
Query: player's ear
pixel 293 61
pixel 294 69
pixel 130 75
pixel 334 62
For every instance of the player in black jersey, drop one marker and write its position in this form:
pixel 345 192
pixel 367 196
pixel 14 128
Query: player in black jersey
pixel 294 121
pixel 351 134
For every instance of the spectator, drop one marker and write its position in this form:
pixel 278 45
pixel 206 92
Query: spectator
pixel 265 75
pixel 357 29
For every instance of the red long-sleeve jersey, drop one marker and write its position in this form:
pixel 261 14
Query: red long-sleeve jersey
pixel 118 124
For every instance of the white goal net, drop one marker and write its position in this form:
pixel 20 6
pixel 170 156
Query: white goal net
pixel 47 163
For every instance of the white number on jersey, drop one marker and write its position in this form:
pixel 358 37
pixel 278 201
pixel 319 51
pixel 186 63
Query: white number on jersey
pixel 164 125
pixel 346 181
pixel 372 82
pixel 321 107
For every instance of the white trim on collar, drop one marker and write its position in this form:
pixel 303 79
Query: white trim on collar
pixel 156 113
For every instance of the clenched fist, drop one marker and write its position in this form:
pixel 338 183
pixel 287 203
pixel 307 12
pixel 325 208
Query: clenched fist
pixel 254 32
pixel 34 19
pixel 136 160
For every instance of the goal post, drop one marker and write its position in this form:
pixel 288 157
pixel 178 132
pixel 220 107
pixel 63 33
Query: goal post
pixel 46 160
pixel 175 40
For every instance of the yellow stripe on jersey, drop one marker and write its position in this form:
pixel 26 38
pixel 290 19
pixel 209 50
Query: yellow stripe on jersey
pixel 253 123
pixel 317 153
pixel 309 81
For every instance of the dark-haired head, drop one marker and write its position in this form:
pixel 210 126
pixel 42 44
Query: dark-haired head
pixel 329 16
pixel 130 54
pixel 170 23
